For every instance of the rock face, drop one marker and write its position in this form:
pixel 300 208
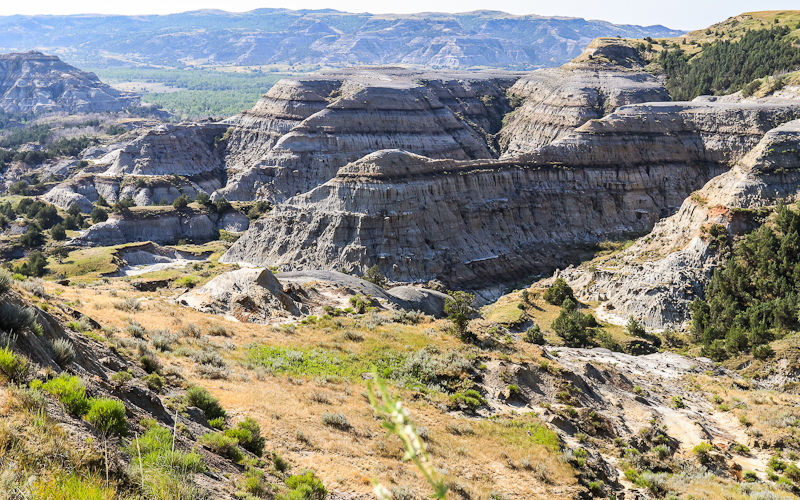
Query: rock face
pixel 162 225
pixel 160 165
pixel 34 82
pixel 657 278
pixel 282 36
pixel 303 130
pixel 473 223
pixel 248 295
pixel 555 101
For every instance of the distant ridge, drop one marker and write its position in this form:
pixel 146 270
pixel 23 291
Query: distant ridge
pixel 328 37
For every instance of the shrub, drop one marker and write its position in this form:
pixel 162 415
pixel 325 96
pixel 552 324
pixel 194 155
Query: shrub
pixel 203 199
pixel 154 382
pixel 558 293
pixel 108 417
pixel 70 391
pixel 374 276
pixel 534 335
pixel 150 363
pixel 98 215
pixel 459 307
pixel 571 327
pixel 128 305
pixel 634 328
pixel 470 398
pixel 181 202
pixel 221 444
pixel 248 434
pixel 58 233
pixel 337 420
pixel 281 464
pixel 763 351
pixel 63 352
pixel 121 378
pixel 749 476
pixel 223 205
pixel 304 487
pixel 677 402
pixel 703 452
pixel 200 397
pixel 156 452
pixel 6 279
pixel 13 367
pixel 217 330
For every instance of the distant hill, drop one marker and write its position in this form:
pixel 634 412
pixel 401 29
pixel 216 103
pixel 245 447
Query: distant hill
pixel 728 56
pixel 35 82
pixel 329 37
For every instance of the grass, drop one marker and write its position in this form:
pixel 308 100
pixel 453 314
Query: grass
pixel 506 313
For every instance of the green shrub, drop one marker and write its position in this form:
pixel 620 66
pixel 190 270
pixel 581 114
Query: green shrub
pixel 459 307
pixel 571 326
pixel 108 417
pixel 374 276
pixel 98 215
pixel 154 382
pixel 181 202
pixel 703 452
pixel 471 399
pixel 558 293
pixel 13 367
pixel 534 335
pixel 304 487
pixel 121 378
pixel 281 464
pixel 217 423
pixel 200 397
pixel 248 434
pixel 222 445
pixel 70 391
pixel 763 351
pixel 749 476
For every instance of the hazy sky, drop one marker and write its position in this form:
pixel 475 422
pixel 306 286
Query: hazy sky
pixel 678 14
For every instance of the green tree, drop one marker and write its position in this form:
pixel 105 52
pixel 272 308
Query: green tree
pixel 374 276
pixel 98 215
pixel 558 293
pixel 57 232
pixel 181 202
pixel 460 308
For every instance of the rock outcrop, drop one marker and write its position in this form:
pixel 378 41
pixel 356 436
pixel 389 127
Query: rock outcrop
pixel 658 277
pixel 248 295
pixel 162 225
pixel 606 75
pixel 35 82
pixel 163 163
pixel 303 130
pixel 474 223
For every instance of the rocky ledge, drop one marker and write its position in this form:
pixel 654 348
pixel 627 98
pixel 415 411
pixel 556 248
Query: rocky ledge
pixel 661 274
pixel 473 223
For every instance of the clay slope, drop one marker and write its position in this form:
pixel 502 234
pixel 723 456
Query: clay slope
pixel 476 223
pixel 657 279
pixel 159 165
pixel 608 74
pixel 35 82
pixel 303 130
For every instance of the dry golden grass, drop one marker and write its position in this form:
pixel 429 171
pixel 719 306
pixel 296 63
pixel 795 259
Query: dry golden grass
pixel 290 410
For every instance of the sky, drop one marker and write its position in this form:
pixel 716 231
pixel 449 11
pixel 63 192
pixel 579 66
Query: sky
pixel 676 14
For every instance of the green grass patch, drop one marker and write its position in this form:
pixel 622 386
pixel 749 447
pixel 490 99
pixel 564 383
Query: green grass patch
pixel 522 433
pixel 508 314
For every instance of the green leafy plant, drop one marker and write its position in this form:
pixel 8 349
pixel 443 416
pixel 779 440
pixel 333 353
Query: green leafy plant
pixel 200 397
pixel 108 417
pixel 558 293
pixel 223 445
pixel 248 434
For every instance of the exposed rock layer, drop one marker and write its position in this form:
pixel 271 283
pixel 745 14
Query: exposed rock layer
pixel 472 223
pixel 34 82
pixel 657 279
